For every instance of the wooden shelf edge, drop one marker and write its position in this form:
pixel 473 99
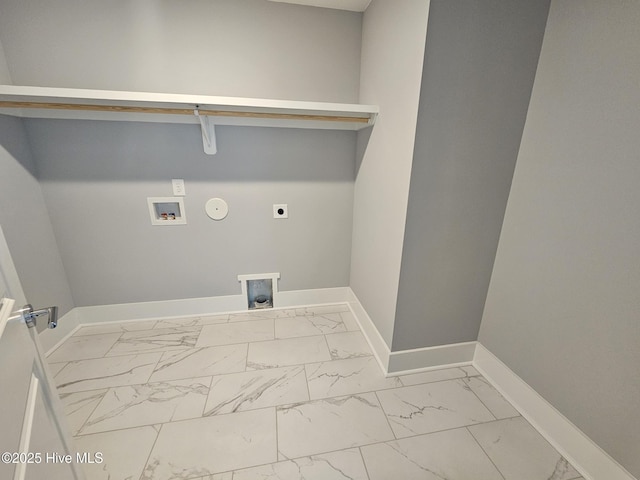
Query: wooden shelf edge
pixel 17 99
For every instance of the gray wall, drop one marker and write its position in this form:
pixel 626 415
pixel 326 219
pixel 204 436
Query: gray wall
pixel 96 177
pixel 563 305
pixel 247 48
pixel 26 224
pixel 480 62
pixel 392 53
pixel 5 76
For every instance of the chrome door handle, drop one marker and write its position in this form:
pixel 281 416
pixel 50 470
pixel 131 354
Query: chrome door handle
pixel 30 315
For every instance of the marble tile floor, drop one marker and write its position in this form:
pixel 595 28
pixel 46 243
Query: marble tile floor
pixel 282 394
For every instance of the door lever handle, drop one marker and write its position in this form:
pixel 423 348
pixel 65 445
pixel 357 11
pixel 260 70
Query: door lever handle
pixel 30 315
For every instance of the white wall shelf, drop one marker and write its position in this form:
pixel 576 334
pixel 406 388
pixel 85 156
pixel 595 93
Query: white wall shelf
pixel 71 103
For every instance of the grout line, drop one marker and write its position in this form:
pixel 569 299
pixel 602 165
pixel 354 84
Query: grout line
pixel 246 358
pixel 306 379
pixel 104 324
pixel 81 338
pixel 386 416
pixel 155 366
pixel 58 372
pixel 293 459
pixel 191 419
pixel 150 451
pixel 275 412
pixel 93 410
pixel 206 400
pixel 328 347
pixel 128 354
pixel 191 377
pixel 484 451
pixel 366 470
pixel 291 365
pixel 478 397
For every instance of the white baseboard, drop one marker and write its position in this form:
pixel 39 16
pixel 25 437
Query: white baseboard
pixel 161 309
pixel 187 307
pixel 316 296
pixel 409 361
pixel 371 334
pixel 430 358
pixel 582 452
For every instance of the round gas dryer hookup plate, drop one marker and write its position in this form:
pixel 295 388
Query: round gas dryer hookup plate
pixel 216 208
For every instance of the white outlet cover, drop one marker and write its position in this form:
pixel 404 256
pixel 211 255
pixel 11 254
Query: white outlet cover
pixel 277 207
pixel 216 208
pixel 178 187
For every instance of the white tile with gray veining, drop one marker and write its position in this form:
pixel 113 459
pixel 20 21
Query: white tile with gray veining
pixel 289 351
pixel 210 445
pixel 125 453
pixel 350 321
pixel 342 377
pixel 431 407
pixel 448 455
pixel 115 327
pixel 106 372
pixel 322 309
pixel 278 394
pixel 237 332
pixel 438 375
pixel 200 362
pixel 265 314
pixel 84 347
pixel 520 452
pixel 491 398
pixel 348 345
pixel 79 405
pixel 156 340
pixel 148 404
pixel 238 392
pixel 55 368
pixel 193 321
pixel 216 476
pixel 342 465
pixel 326 425
pixel 306 326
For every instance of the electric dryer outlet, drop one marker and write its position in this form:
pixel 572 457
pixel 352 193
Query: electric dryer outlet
pixel 280 210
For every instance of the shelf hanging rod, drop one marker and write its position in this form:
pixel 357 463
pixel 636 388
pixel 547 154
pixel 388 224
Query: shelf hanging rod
pixel 183 111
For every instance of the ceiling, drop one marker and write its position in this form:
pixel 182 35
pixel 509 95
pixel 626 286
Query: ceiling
pixel 353 5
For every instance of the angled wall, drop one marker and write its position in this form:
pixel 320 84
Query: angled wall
pixel 562 308
pixel 26 224
pixel 5 76
pixel 479 66
pixel 392 54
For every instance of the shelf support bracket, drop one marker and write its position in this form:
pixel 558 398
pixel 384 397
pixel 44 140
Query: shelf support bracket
pixel 208 133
